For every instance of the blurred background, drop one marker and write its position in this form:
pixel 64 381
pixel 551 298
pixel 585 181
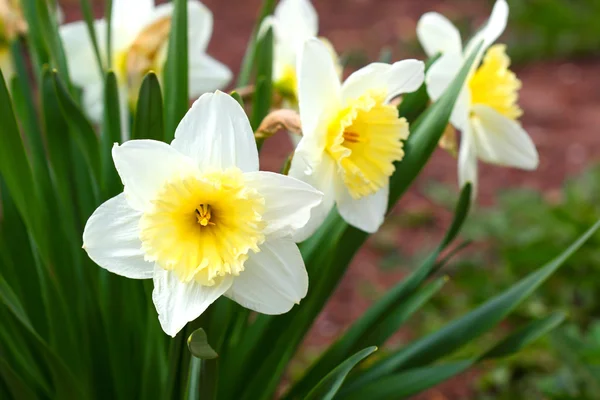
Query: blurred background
pixel 523 218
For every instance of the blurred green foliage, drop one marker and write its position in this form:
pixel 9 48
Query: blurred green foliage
pixel 543 29
pixel 524 228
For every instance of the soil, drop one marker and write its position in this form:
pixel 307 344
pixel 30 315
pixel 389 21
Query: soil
pixel 561 100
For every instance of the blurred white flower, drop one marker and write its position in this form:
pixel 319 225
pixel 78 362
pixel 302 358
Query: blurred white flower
pixel 139 41
pixel 199 219
pixel 351 135
pixel 486 110
pixel 293 22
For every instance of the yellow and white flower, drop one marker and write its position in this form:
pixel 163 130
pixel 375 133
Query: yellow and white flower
pixel 139 41
pixel 352 136
pixel 293 22
pixel 486 110
pixel 199 219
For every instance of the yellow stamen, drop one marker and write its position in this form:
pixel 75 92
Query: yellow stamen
pixel 287 83
pixel 494 85
pixel 365 139
pixel 202 227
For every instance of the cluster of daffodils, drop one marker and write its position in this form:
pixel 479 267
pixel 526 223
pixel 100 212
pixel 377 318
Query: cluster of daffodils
pixel 197 216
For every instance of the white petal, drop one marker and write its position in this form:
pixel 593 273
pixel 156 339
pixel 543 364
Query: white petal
pixel 144 166
pixel 438 35
pixel 366 213
pixel 298 20
pixel 82 63
pixel 288 201
pixel 492 30
pixel 200 23
pixel 111 239
pixel 206 74
pixel 467 160
pixel 216 133
pixel 502 141
pixel 130 16
pixel 401 77
pixel 178 303
pixel 439 77
pixel 318 89
pixel 321 177
pixel 273 279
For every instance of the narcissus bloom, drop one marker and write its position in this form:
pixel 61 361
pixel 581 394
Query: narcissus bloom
pixel 199 219
pixel 351 135
pixel 486 111
pixel 293 22
pixel 139 41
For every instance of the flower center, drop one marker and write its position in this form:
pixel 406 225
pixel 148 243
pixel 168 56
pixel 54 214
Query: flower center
pixel 146 53
pixel 365 139
pixel 202 227
pixel 494 85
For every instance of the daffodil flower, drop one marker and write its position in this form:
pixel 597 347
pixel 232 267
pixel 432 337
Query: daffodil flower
pixel 199 219
pixel 486 111
pixel 352 136
pixel 293 22
pixel 139 41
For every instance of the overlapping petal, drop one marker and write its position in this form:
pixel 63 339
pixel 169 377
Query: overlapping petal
pixel 288 202
pixel 216 134
pixel 438 35
pixel 366 213
pixel 111 239
pixel 273 279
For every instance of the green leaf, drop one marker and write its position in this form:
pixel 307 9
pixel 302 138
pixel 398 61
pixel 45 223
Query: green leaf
pixel 524 336
pixel 17 388
pixel 261 101
pixel 148 123
pixel 407 383
pixel 108 19
pixel 414 381
pixel 82 132
pixel 463 330
pixel 49 29
pixel 266 9
pixel 88 17
pixel 176 70
pixel 237 98
pixel 331 383
pixel 111 183
pixel 199 347
pixel 14 165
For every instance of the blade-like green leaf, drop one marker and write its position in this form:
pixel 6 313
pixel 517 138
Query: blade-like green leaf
pixel 261 101
pixel 199 347
pixel 524 336
pixel 148 123
pixel 331 383
pixel 416 380
pixel 108 19
pixel 49 28
pixel 266 9
pixel 88 17
pixel 176 70
pixel 82 132
pixel 111 134
pixel 461 331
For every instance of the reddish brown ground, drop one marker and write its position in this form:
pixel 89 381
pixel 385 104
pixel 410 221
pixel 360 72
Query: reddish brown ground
pixel 562 113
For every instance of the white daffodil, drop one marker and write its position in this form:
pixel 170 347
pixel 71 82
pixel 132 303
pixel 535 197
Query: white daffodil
pixel 199 219
pixel 486 111
pixel 351 135
pixel 293 22
pixel 139 41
